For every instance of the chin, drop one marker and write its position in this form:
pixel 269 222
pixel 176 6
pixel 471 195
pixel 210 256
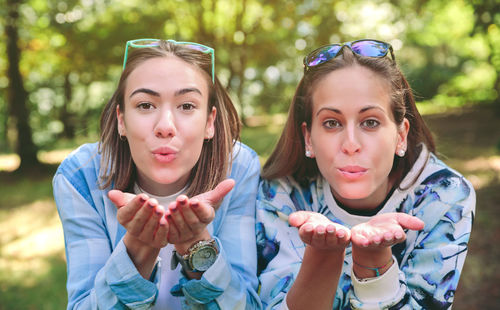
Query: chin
pixel 353 192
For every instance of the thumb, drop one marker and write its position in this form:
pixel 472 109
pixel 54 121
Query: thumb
pixel 120 198
pixel 214 196
pixel 409 221
pixel 297 219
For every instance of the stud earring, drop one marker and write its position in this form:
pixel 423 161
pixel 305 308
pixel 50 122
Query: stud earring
pixel 401 152
pixel 308 153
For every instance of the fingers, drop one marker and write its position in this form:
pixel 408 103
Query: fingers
pixel 160 238
pixel 409 222
pixel 323 237
pixel 298 218
pixel 188 218
pixel 120 198
pixel 364 236
pixel 214 196
pixel 152 224
pixel 137 224
pixel 127 212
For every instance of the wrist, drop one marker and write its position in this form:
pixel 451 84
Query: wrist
pixel 182 247
pixel 371 263
pixel 142 255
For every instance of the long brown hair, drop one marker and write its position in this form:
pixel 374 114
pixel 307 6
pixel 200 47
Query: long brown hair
pixel 117 167
pixel 291 144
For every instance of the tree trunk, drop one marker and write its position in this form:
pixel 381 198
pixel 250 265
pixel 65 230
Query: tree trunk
pixel 16 94
pixel 66 117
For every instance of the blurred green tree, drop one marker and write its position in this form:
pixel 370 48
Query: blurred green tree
pixel 70 52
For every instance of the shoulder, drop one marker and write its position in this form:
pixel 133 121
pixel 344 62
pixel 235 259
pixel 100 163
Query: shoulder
pixel 440 193
pixel 245 161
pixel 84 156
pixel 242 153
pixel 446 183
pixel 286 190
pixel 81 168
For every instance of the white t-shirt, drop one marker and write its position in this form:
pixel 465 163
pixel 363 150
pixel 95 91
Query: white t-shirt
pixel 168 278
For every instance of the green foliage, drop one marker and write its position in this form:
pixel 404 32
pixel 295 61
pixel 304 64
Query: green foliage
pixel 72 50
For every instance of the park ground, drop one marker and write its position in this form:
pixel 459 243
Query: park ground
pixel 32 262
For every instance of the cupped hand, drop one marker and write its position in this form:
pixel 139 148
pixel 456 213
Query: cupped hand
pixel 319 232
pixel 142 217
pixel 189 217
pixel 384 230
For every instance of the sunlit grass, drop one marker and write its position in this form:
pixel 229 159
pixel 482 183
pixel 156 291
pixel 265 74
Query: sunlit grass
pixel 10 162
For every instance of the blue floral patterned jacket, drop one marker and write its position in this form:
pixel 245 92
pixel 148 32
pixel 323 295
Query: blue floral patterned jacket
pixel 429 262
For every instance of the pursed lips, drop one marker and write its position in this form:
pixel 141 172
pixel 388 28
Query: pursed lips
pixel 164 154
pixel 352 172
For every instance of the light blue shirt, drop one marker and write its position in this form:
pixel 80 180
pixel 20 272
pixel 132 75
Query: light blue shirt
pixel 101 275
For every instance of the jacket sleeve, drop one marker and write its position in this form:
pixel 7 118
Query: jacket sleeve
pixel 432 259
pixel 231 282
pixel 279 247
pixel 99 276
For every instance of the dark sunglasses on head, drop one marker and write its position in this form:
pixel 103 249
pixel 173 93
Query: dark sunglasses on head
pixel 364 47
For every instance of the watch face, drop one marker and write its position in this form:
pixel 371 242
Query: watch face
pixel 203 258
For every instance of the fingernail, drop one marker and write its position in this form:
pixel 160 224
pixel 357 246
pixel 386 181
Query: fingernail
pixel 195 204
pixel 183 201
pixel 340 234
pixel 151 204
pixel 142 200
pixel 173 209
pixel 330 229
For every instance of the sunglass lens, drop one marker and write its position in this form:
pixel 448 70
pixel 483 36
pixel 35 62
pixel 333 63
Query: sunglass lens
pixel 370 48
pixel 145 43
pixel 200 48
pixel 322 55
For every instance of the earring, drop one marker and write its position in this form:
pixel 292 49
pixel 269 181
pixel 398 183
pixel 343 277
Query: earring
pixel 401 152
pixel 308 153
pixel 122 138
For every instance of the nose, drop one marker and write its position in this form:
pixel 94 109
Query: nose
pixel 350 143
pixel 165 124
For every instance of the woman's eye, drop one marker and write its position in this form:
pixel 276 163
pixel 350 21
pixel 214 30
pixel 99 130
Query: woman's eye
pixel 370 123
pixel 331 123
pixel 187 106
pixel 145 106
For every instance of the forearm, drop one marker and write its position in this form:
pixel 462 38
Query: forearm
pixel 142 255
pixel 317 280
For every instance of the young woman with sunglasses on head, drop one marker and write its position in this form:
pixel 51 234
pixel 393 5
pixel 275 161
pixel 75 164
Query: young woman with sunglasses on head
pixel 355 210
pixel 149 219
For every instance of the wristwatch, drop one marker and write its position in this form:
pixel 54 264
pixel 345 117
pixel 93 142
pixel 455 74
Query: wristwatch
pixel 198 258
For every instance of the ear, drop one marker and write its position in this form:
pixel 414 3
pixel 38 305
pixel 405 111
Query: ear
pixel 403 130
pixel 210 127
pixel 122 131
pixel 307 140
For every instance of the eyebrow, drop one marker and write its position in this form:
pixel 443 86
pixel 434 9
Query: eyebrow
pixel 145 90
pixel 156 94
pixel 340 112
pixel 187 90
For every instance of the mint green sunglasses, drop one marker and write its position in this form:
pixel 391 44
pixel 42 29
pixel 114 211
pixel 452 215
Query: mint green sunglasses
pixel 141 43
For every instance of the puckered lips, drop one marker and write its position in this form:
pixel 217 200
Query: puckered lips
pixel 164 154
pixel 352 172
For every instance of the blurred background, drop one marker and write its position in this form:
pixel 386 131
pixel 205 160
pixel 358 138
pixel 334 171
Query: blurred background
pixel 60 62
